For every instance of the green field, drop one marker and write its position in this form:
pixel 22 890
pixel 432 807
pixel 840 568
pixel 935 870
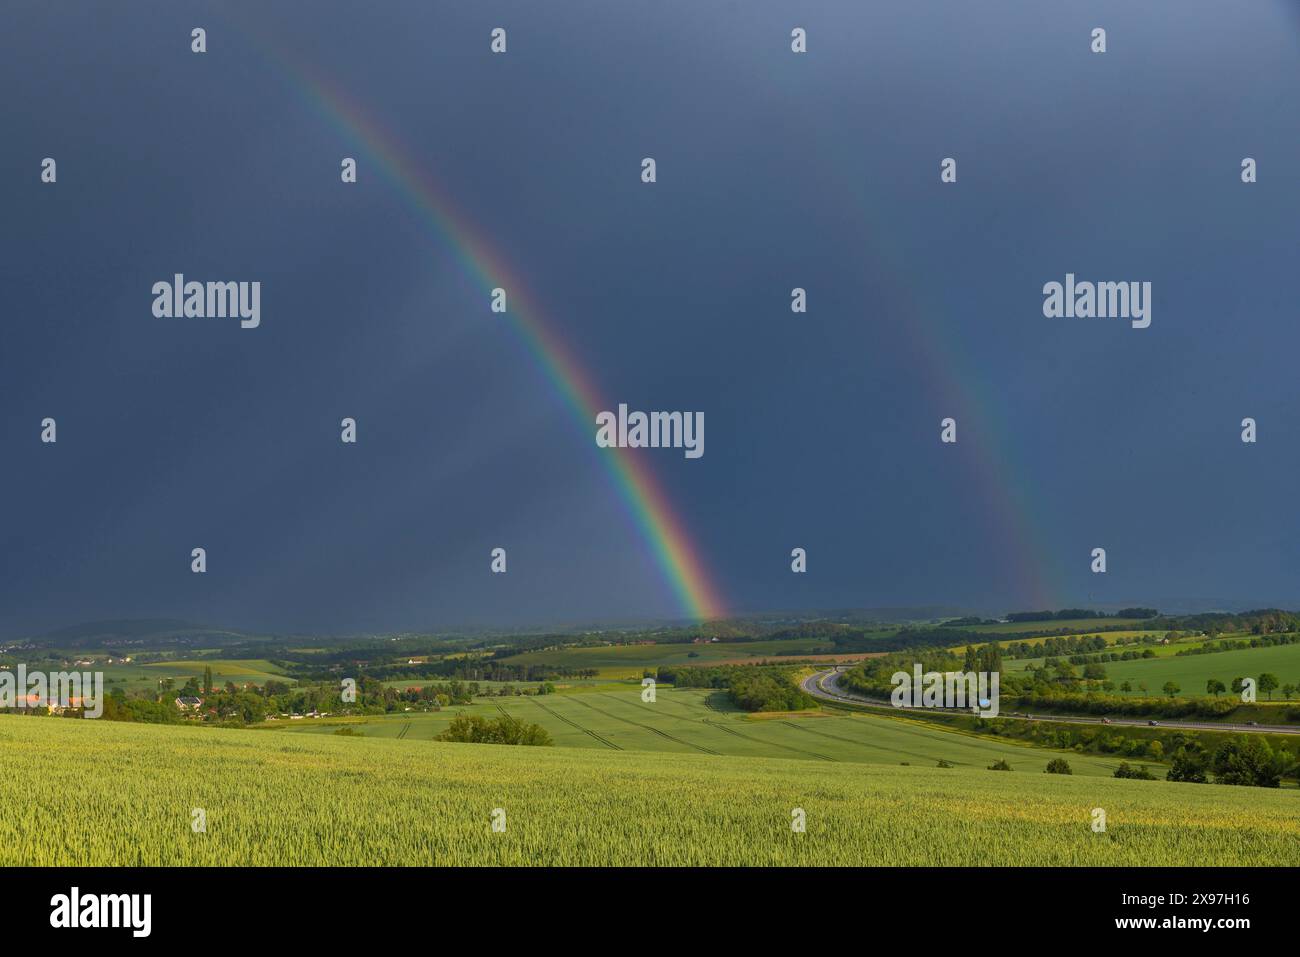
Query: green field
pixel 1086 625
pixel 403 683
pixel 146 676
pixel 1111 638
pixel 1157 652
pixel 1190 672
pixel 628 661
pixel 697 721
pixel 321 800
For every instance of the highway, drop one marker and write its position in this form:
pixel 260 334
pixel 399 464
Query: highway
pixel 825 685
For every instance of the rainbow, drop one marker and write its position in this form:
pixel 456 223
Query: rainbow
pixel 663 530
pixel 1032 566
pixel 1034 577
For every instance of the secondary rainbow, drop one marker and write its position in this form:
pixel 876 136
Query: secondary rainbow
pixel 663 530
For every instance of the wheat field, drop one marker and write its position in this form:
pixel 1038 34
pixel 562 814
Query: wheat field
pixel 99 793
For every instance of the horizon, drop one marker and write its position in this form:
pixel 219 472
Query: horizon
pixel 885 615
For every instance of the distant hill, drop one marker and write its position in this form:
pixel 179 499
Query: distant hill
pixel 121 631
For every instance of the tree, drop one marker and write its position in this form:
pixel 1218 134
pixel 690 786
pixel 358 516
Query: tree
pixel 1064 670
pixel 1126 686
pixel 207 679
pixel 1058 766
pixel 1268 683
pixel 1215 687
pixel 990 658
pixel 1171 689
pixel 1187 767
pixel 1288 691
pixel 1249 761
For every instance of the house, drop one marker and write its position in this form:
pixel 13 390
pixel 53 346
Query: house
pixel 52 704
pixel 189 703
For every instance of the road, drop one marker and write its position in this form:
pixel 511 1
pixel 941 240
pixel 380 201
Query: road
pixel 825 685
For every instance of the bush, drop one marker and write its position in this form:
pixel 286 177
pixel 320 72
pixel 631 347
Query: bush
pixel 1126 770
pixel 1058 766
pixel 943 764
pixel 506 730
pixel 1000 765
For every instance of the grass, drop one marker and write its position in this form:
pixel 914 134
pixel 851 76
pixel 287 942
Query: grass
pixel 308 800
pixel 404 683
pixel 698 721
pixel 134 676
pixel 1157 652
pixel 628 661
pixel 1111 637
pixel 1086 625
pixel 1190 672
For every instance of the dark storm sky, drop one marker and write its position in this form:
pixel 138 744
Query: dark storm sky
pixel 775 170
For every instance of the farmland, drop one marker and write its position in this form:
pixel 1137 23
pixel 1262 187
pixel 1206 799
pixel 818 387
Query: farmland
pixel 628 661
pixel 1077 625
pixel 146 676
pixel 1190 672
pixel 306 799
pixel 687 778
pixel 1032 638
pixel 698 721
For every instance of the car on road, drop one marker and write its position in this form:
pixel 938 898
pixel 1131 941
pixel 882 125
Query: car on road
pixel 1105 720
pixel 1252 724
pixel 1153 723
